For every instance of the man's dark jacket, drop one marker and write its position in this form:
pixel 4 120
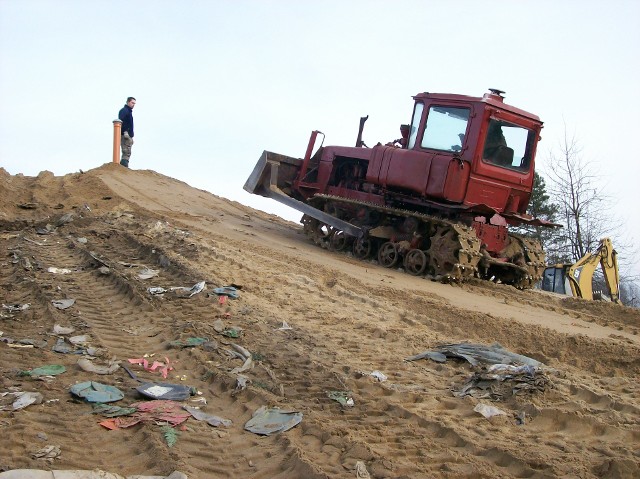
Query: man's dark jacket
pixel 126 116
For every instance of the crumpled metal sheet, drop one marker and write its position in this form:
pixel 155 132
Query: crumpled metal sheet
pixel 476 354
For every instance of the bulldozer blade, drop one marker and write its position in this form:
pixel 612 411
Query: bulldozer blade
pixel 273 176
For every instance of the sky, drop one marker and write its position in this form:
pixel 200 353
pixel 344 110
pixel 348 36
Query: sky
pixel 217 82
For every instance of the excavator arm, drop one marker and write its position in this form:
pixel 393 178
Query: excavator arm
pixel 580 274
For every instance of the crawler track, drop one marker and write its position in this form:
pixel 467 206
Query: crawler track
pixel 423 244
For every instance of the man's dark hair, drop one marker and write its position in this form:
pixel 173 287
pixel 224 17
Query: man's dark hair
pixel 129 98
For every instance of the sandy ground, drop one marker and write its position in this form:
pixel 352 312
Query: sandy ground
pixel 348 318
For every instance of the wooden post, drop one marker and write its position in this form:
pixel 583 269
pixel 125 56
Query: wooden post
pixel 117 125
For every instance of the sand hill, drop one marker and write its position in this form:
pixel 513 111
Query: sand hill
pixel 305 333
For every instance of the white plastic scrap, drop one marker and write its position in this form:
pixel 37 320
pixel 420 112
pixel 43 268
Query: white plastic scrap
pixel 488 411
pixel 195 289
pixel 378 375
pixel 148 273
pixel 15 308
pixel 51 269
pixel 284 327
pixel 156 291
pixel 63 303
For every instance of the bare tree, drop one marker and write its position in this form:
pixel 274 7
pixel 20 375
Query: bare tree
pixel 585 209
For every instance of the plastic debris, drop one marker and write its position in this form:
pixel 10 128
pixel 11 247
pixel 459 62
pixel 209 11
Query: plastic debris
pixel 58 270
pixel 78 474
pixel 229 291
pixel 361 471
pixel 16 308
pixel 378 375
pixel 156 291
pixel 87 365
pixel 167 391
pixel 343 397
pixel 503 380
pixel 163 368
pixel 58 329
pixel 112 410
pixel 97 392
pixel 269 421
pixel 47 453
pixel 188 292
pixel 475 354
pixel 284 327
pixel 81 339
pixel 49 370
pixel 148 273
pixel 188 343
pixel 64 347
pixel 150 411
pixel 233 332
pixel 210 419
pixel 24 399
pixel 488 411
pixel 63 303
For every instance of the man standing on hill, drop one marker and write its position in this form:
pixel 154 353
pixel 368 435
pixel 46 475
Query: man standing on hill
pixel 126 140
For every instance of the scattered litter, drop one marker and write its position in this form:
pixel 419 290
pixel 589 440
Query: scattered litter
pixel 475 354
pixel 111 410
pixel 66 218
pixel 170 435
pixel 64 347
pixel 246 356
pixel 58 329
pixel 488 411
pixel 81 240
pixel 163 368
pixel 233 332
pixel 269 421
pixel 218 326
pixel 361 471
pixel 25 399
pixel 210 419
pixel 284 327
pixel 47 230
pixel 241 384
pixel 229 291
pixel 188 343
pixel 78 474
pixel 504 380
pixel 188 292
pixel 63 303
pixel 16 308
pixel 148 273
pixel 47 453
pixel 27 206
pixel 53 270
pixel 86 365
pixel 49 370
pixel 343 397
pixel 172 392
pixel 150 411
pixel 81 339
pixel 156 291
pixel 378 375
pixel 97 392
pixel 17 345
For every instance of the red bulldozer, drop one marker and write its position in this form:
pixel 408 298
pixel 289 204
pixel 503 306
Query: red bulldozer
pixel 438 201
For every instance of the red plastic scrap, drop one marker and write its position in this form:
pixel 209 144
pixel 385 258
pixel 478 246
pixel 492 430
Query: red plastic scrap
pixel 150 411
pixel 164 367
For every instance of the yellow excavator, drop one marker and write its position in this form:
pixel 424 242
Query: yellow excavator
pixel 576 279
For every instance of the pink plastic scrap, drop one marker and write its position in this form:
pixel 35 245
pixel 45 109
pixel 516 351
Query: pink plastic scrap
pixel 164 367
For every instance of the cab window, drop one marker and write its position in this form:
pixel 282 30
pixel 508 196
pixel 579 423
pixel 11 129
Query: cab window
pixel 415 124
pixel 508 145
pixel 445 129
